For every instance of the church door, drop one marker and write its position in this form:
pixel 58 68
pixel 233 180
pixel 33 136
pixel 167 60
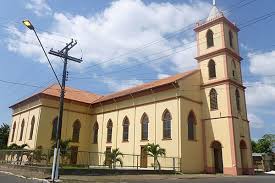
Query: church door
pixel 143 157
pixel 218 160
pixel 74 152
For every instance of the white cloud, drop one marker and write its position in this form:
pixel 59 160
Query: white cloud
pixel 39 7
pixel 255 121
pixel 161 76
pixel 260 94
pixel 123 26
pixel 118 85
pixel 262 63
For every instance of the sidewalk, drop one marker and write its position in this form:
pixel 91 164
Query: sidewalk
pixel 112 178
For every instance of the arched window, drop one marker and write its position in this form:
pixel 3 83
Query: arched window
pixel 237 94
pixel 166 118
pixel 76 131
pixel 233 69
pixel 32 127
pixel 13 131
pixel 95 133
pixel 212 69
pixel 54 128
pixel 125 125
pixel 213 99
pixel 191 125
pixel 109 130
pixel 22 130
pixel 209 38
pixel 144 127
pixel 231 39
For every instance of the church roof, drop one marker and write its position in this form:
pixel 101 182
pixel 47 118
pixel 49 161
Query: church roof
pixel 146 86
pixel 91 98
pixel 70 94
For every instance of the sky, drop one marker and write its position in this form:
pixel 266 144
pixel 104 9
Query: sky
pixel 129 42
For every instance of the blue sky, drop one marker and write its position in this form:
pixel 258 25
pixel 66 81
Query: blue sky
pixel 109 31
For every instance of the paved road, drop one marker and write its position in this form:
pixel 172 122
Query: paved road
pixel 4 178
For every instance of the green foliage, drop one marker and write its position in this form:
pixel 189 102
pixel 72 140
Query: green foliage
pixel 17 147
pixel 154 150
pixel 111 158
pixel 38 154
pixel 65 150
pixel 264 145
pixel 4 135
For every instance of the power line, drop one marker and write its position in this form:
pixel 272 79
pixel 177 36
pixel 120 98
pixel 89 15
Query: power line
pixel 182 30
pixel 249 22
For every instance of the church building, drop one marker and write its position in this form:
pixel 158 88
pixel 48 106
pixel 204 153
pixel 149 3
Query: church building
pixel 198 116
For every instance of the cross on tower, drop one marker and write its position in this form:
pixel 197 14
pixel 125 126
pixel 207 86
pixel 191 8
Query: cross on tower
pixel 214 2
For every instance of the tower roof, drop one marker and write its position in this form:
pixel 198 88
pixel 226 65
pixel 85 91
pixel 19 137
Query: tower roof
pixel 214 13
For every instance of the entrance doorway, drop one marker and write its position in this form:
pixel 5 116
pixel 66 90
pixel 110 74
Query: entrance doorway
pixel 74 152
pixel 243 150
pixel 143 157
pixel 218 160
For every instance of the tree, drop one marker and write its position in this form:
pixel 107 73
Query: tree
pixel 4 135
pixel 271 138
pixel 264 145
pixel 154 150
pixel 111 158
pixel 65 150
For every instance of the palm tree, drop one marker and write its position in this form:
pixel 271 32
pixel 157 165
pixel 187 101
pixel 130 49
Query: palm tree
pixel 65 150
pixel 154 150
pixel 111 158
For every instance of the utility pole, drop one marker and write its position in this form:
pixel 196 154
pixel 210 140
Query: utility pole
pixel 62 54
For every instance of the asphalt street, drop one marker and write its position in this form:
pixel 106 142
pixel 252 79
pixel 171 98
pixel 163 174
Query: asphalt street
pixel 5 178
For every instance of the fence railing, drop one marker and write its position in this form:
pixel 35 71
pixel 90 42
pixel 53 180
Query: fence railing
pixel 86 159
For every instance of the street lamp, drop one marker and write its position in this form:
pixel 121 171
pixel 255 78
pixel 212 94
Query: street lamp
pixel 62 54
pixel 29 25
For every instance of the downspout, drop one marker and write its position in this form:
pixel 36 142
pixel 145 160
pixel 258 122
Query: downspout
pixel 178 115
pixel 152 91
pixel 134 122
pixel 102 128
pixel 116 120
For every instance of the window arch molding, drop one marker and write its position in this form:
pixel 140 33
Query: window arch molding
pixel 167 120
pixel 125 125
pixel 210 38
pixel 191 125
pixel 109 131
pixel 144 126
pixel 22 130
pixel 95 130
pixel 13 131
pixel 238 103
pixel 231 36
pixel 213 95
pixel 212 69
pixel 32 127
pixel 76 130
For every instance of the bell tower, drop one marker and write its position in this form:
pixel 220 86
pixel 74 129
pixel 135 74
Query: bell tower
pixel 226 131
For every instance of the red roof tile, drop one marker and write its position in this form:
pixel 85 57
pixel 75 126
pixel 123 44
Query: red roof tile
pixel 146 86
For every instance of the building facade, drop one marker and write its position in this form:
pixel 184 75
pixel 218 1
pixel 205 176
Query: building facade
pixel 199 116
